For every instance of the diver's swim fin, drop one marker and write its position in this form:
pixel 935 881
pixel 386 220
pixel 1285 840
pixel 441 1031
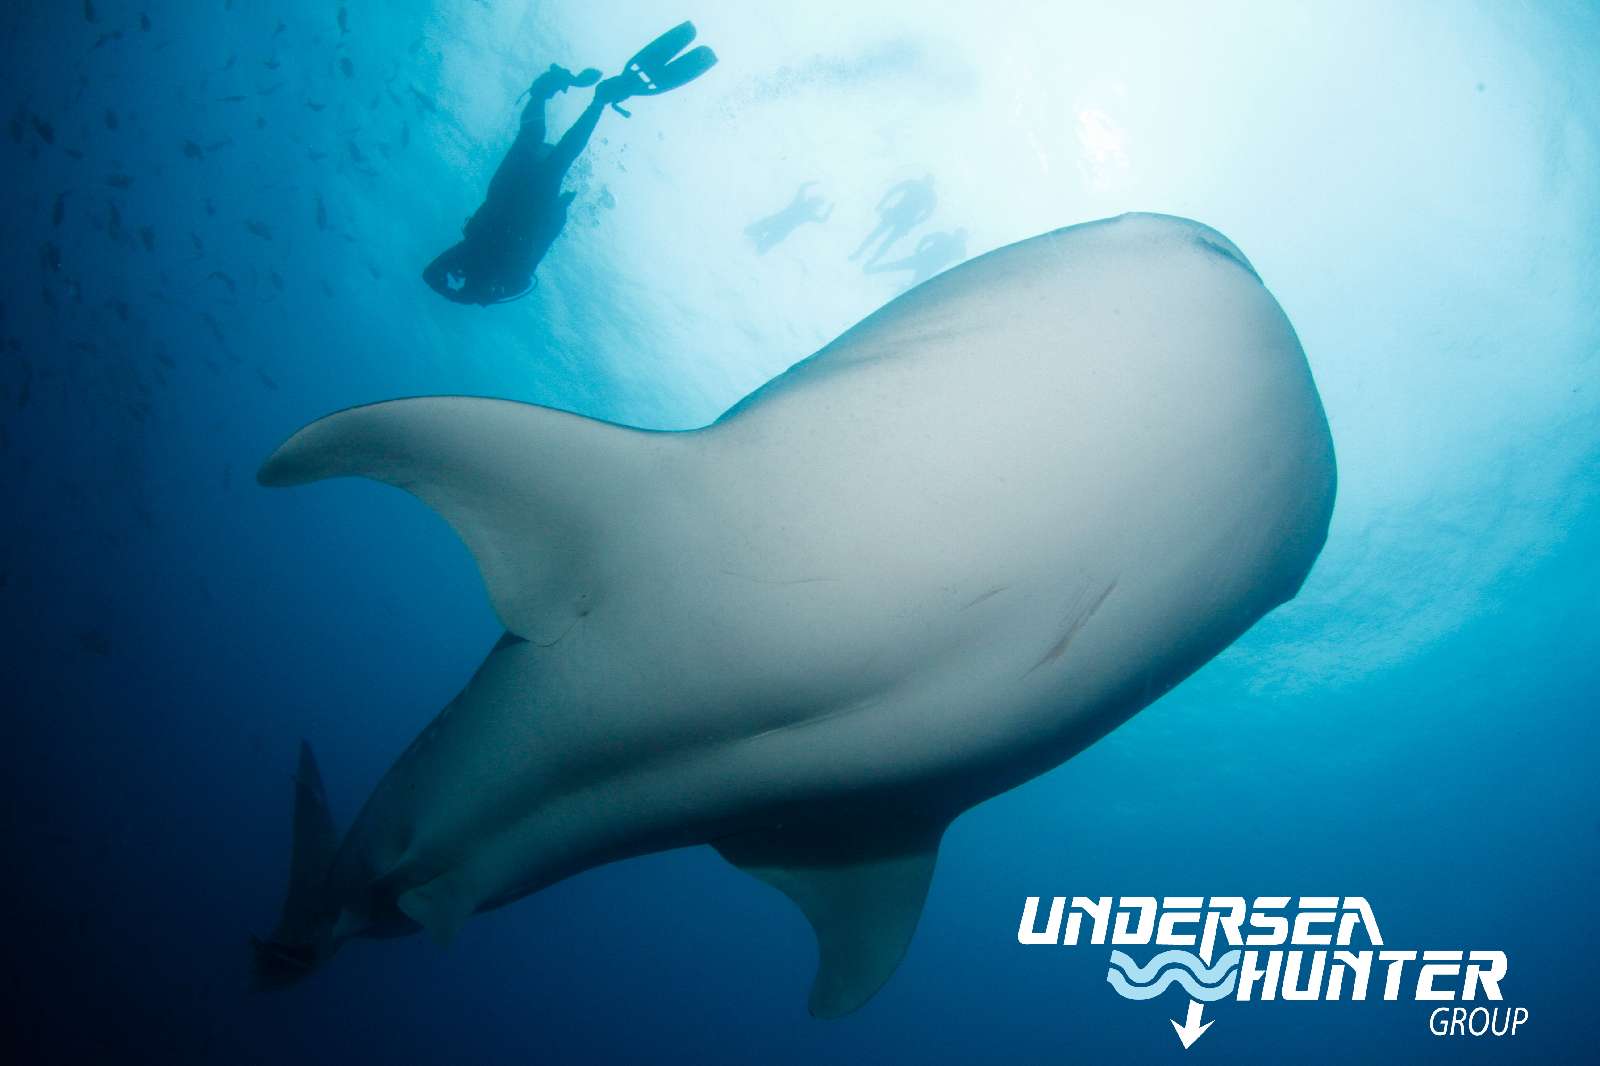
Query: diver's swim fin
pixel 653 71
pixel 659 52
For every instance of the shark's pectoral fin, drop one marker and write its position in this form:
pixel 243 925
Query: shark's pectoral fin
pixel 862 889
pixel 441 906
pixel 532 491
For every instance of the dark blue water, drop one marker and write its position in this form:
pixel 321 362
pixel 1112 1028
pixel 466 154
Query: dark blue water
pixel 1419 728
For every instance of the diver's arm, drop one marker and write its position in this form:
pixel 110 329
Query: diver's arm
pixel 572 143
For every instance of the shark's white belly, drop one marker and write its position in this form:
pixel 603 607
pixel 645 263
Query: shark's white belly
pixel 942 574
pixel 940 557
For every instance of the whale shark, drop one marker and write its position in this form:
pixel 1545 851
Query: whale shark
pixel 928 563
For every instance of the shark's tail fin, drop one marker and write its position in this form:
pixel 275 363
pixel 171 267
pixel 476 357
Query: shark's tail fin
pixel 297 944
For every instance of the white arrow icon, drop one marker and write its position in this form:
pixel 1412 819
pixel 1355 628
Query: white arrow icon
pixel 1191 1029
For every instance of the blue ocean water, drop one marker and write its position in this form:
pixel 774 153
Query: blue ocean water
pixel 217 218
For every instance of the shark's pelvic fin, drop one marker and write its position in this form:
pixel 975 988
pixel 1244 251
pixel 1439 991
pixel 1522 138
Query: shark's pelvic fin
pixel 531 490
pixel 441 906
pixel 862 889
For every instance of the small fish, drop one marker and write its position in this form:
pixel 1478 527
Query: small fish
pixel 193 151
pixel 89 14
pixel 49 256
pixel 199 245
pixel 147 237
pixel 258 229
pixel 59 211
pixel 166 360
pixel 111 119
pixel 107 38
pixel 356 155
pixel 271 64
pixel 235 99
pixel 25 391
pixel 344 22
pixel 121 308
pixel 405 135
pixel 322 213
pixel 269 90
pixel 119 180
pixel 17 127
pixel 144 23
pixel 424 102
pixel 276 279
pixel 46 132
pixel 280 27
pixel 265 380
pixel 316 156
pixel 211 207
pixel 73 153
pixel 214 146
pixel 113 222
pixel 377 275
pixel 347 68
pixel 217 275
pixel 211 324
pixel 313 105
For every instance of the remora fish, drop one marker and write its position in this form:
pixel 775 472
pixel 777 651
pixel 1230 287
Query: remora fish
pixel 934 560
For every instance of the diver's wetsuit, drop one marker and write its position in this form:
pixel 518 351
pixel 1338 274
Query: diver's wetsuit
pixel 902 209
pixel 524 210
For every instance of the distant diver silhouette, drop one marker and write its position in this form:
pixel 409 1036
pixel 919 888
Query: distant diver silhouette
pixel 935 252
pixel 766 233
pixel 902 209
pixel 525 209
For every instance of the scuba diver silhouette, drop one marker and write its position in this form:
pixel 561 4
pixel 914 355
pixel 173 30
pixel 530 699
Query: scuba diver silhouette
pixel 525 208
pixel 935 251
pixel 902 209
pixel 766 233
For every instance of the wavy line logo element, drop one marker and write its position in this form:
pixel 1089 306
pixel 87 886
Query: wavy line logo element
pixel 1206 985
